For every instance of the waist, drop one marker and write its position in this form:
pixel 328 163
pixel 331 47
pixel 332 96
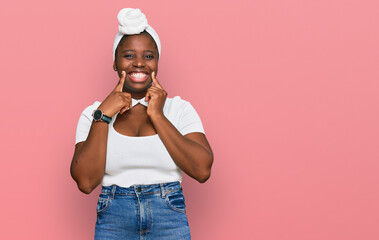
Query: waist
pixel 142 188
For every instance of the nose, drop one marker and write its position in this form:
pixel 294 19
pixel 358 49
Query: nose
pixel 139 62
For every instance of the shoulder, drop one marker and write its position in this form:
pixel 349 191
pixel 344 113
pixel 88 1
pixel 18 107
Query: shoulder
pixel 177 107
pixel 184 116
pixel 176 102
pixel 89 109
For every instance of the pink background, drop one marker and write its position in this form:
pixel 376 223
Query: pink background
pixel 287 91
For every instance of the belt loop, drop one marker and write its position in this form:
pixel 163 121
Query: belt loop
pixel 113 191
pixel 162 190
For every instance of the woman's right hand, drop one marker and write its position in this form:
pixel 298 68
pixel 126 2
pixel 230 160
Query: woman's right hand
pixel 117 101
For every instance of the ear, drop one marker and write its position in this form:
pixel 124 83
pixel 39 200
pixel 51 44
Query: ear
pixel 114 66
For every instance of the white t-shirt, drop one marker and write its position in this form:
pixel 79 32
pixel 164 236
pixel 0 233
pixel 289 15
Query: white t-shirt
pixel 142 160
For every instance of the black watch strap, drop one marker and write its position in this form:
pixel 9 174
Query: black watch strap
pixel 106 119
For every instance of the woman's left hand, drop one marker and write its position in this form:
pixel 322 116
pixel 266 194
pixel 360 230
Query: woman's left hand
pixel 156 97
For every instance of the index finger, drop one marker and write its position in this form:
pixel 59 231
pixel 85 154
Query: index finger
pixel 155 81
pixel 120 83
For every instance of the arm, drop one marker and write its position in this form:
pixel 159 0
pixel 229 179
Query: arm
pixel 88 163
pixel 191 152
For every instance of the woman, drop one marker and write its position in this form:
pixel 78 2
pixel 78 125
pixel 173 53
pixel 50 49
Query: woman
pixel 137 142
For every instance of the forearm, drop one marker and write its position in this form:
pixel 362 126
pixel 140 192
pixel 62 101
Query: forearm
pixel 191 157
pixel 88 165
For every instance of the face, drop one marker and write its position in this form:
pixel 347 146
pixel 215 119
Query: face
pixel 137 55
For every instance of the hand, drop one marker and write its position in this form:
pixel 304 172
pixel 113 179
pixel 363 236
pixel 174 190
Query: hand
pixel 156 97
pixel 117 101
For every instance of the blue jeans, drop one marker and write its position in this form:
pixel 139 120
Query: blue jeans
pixel 154 211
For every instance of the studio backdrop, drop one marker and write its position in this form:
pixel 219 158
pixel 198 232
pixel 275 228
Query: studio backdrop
pixel 287 92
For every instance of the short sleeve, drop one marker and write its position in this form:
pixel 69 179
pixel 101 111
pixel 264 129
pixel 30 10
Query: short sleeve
pixel 189 120
pixel 85 122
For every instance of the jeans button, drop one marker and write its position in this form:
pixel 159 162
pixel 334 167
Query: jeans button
pixel 139 189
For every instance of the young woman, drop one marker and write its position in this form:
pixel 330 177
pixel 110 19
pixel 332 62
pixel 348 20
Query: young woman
pixel 137 142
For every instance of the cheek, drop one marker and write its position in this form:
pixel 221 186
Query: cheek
pixel 122 61
pixel 153 66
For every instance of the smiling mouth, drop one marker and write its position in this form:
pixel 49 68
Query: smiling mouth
pixel 138 76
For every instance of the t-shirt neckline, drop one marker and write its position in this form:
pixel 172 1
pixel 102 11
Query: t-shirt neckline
pixel 126 136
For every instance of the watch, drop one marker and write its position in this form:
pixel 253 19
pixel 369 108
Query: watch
pixel 98 115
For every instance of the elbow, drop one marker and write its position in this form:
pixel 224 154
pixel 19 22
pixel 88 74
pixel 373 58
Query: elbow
pixel 85 188
pixel 206 173
pixel 202 178
pixel 83 185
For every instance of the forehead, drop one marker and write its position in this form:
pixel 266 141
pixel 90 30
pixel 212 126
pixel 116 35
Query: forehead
pixel 138 42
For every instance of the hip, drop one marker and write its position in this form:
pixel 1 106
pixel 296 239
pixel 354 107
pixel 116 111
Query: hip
pixel 154 211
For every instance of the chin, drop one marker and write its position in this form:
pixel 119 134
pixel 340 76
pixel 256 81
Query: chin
pixel 138 90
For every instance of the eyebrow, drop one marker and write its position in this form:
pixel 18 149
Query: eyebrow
pixel 130 50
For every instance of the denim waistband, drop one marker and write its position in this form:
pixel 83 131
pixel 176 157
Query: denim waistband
pixel 162 188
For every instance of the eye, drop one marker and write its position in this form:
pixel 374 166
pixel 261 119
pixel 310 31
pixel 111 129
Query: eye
pixel 149 56
pixel 128 56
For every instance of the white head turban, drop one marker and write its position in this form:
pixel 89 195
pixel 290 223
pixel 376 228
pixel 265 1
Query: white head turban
pixel 133 21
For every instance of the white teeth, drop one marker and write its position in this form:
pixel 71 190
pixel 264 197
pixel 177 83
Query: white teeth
pixel 138 75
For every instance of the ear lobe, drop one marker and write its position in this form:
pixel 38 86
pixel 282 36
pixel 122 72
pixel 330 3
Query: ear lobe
pixel 114 66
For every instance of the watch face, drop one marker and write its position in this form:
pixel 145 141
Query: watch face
pixel 97 115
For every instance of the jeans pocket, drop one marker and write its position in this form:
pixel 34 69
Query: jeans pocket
pixel 103 202
pixel 175 200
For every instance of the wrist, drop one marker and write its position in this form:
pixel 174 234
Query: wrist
pixel 157 116
pixel 98 115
